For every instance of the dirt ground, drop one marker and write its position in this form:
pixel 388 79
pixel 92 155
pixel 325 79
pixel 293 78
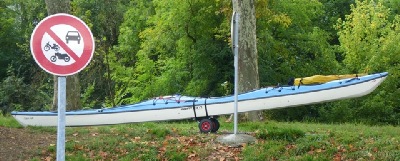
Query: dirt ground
pixel 22 144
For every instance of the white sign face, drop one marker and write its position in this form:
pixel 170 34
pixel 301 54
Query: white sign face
pixel 72 39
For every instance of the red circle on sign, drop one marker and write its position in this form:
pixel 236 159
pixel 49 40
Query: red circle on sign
pixel 44 28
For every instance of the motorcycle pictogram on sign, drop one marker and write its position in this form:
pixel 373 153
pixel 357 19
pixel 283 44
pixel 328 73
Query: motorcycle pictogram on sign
pixel 47 47
pixel 56 55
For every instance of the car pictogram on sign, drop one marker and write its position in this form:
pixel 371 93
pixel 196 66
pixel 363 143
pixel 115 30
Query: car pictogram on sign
pixel 74 36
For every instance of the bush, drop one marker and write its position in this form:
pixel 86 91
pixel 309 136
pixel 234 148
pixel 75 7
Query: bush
pixel 16 95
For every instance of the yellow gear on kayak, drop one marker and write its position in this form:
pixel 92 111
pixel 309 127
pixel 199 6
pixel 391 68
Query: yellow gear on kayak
pixel 319 79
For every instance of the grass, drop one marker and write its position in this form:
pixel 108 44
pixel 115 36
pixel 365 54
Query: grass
pixel 7 121
pixel 180 140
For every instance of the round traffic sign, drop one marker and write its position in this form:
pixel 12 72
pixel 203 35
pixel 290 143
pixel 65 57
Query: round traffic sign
pixel 62 44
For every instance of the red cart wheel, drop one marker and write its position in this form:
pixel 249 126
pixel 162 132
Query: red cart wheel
pixel 215 124
pixel 205 125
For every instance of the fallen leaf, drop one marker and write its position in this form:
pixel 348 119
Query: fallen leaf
pixel 162 149
pixel 291 146
pixel 49 158
pixel 337 157
pixel 352 148
pixel 103 154
pixel 78 147
pixel 192 155
pixel 165 143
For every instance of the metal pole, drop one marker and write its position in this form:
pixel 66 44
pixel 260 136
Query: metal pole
pixel 61 118
pixel 236 59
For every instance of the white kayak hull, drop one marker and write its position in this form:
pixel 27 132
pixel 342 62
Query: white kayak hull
pixel 176 108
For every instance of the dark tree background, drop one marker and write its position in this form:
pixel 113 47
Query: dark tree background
pixel 150 48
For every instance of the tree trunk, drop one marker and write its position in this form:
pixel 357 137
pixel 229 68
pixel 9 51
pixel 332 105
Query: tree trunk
pixel 73 86
pixel 248 58
pixel 57 6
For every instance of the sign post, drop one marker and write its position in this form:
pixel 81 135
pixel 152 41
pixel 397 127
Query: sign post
pixel 235 46
pixel 62 95
pixel 62 45
pixel 235 139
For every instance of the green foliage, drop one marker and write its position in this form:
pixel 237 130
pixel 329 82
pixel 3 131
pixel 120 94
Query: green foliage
pixel 22 85
pixel 15 94
pixel 86 96
pixel 161 61
pixel 307 113
pixel 368 27
pixel 290 43
pixel 369 39
pixel 338 112
pixel 8 36
pixel 368 43
pixel 124 56
pixel 17 21
pixel 104 19
pixel 333 10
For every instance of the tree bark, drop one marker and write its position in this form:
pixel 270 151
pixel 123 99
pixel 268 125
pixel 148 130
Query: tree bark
pixel 73 86
pixel 57 6
pixel 248 57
